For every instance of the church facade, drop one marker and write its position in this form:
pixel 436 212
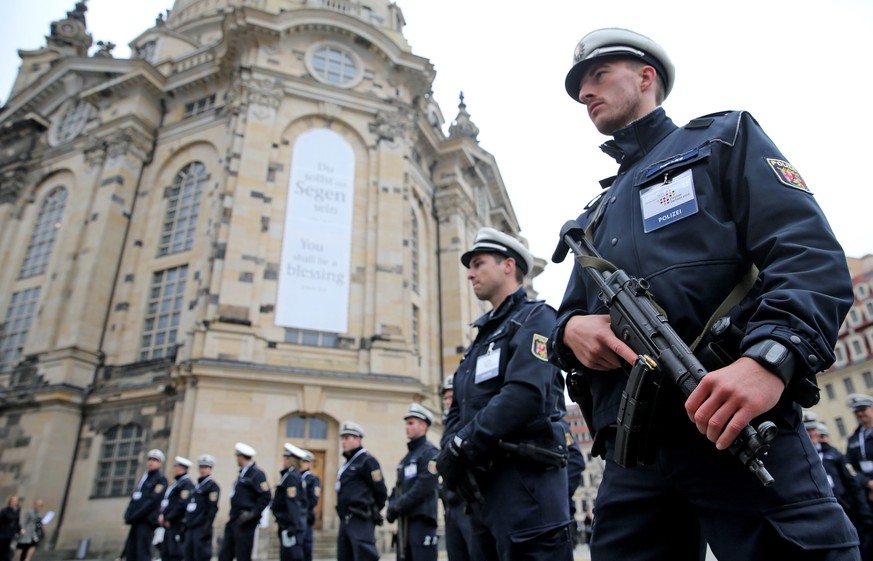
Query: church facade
pixel 249 231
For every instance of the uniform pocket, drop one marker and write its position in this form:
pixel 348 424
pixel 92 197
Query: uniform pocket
pixel 814 525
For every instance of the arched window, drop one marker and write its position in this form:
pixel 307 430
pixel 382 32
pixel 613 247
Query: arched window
pixel 42 239
pixel 118 466
pixel 183 207
pixel 13 331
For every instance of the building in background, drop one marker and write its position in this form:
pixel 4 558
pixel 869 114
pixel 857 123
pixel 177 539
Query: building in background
pixel 248 231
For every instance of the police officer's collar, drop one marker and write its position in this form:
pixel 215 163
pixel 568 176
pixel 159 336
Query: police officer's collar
pixel 416 442
pixel 632 142
pixel 351 453
pixel 503 310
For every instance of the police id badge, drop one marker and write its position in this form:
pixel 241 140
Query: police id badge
pixel 672 200
pixel 488 365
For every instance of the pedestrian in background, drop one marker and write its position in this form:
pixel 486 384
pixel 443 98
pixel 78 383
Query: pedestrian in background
pixel 10 527
pixel 144 509
pixel 200 512
pixel 312 485
pixel 414 499
pixel 360 496
pixel 33 532
pixel 250 496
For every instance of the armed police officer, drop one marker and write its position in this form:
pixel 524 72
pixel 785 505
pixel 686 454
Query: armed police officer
pixel 250 496
pixel 289 505
pixel 690 212
pixel 413 502
pixel 458 532
pixel 312 485
pixel 172 517
pixel 361 494
pixel 144 509
pixel 504 449
pixel 200 512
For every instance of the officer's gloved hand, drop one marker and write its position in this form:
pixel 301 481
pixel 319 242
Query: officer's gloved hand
pixel 391 514
pixel 452 463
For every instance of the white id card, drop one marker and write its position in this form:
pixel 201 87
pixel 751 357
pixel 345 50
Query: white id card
pixel 487 366
pixel 668 202
pixel 866 466
pixel 410 471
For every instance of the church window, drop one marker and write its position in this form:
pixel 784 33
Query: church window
pixel 44 233
pixel 163 313
pixel 118 466
pixel 69 124
pixel 13 332
pixel 332 63
pixel 183 207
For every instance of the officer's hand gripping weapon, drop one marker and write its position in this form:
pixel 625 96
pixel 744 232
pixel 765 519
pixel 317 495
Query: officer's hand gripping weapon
pixel 639 323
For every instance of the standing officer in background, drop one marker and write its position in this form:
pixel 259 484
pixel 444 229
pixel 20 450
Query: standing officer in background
pixel 172 517
pixel 458 532
pixel 360 495
pixel 691 210
pixel 312 486
pixel 250 496
pixel 413 502
pixel 200 512
pixel 504 406
pixel 844 482
pixel 289 506
pixel 859 450
pixel 144 509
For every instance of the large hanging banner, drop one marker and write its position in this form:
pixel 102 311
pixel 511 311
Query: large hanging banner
pixel 316 248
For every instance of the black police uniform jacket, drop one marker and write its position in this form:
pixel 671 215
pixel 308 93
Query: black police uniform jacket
pixel 145 503
pixel 855 458
pixel 417 491
pixel 177 501
pixel 289 503
pixel 203 506
pixel 360 485
pixel 312 486
pixel 847 488
pixel 747 206
pixel 251 495
pixel 516 401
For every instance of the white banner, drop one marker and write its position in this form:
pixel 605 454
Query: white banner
pixel 317 244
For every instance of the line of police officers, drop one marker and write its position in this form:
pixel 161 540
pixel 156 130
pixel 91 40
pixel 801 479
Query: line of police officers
pixel 178 518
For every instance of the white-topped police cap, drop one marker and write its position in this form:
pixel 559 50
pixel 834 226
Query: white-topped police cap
pixel 449 384
pixel 182 461
pixel 859 401
pixel 352 429
pixel 155 454
pixel 309 456
pixel 244 449
pixel 206 460
pixel 294 451
pixel 615 41
pixel 823 429
pixel 419 412
pixel 489 240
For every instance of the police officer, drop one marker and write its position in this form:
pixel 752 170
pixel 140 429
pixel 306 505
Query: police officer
pixel 458 532
pixel 691 210
pixel 144 508
pixel 361 494
pixel 413 502
pixel 312 486
pixel 200 512
pixel 503 409
pixel 250 496
pixel 289 505
pixel 844 482
pixel 172 517
pixel 859 451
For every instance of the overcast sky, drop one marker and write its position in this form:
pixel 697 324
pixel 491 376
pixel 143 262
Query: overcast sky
pixel 800 67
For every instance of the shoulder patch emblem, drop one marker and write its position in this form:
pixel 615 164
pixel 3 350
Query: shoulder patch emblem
pixel 431 467
pixel 376 474
pixel 292 492
pixel 318 491
pixel 539 347
pixel 264 486
pixel 159 488
pixel 569 438
pixel 184 494
pixel 213 496
pixel 787 175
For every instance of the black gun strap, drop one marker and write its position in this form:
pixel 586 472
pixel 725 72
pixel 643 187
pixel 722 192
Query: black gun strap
pixel 732 299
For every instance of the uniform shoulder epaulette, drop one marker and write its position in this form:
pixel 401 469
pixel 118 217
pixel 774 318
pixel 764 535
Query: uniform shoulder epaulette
pixel 706 120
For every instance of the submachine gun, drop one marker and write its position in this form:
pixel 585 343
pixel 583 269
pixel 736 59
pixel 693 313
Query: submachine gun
pixel 638 321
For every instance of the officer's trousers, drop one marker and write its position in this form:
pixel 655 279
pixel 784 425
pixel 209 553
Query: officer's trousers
pixel 421 540
pixel 294 552
pixel 238 541
pixel 356 540
pixel 694 494
pixel 458 534
pixel 308 541
pixel 139 542
pixel 198 544
pixel 525 515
